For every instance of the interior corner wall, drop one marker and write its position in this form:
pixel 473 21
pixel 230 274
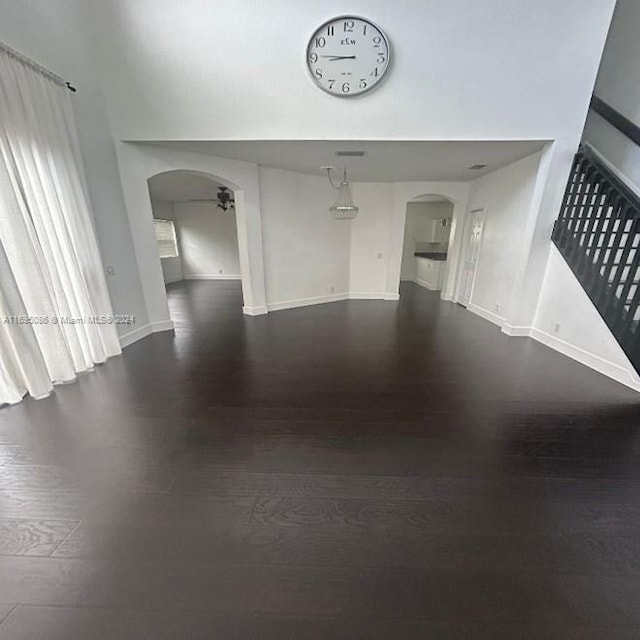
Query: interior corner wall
pixel 208 241
pixel 567 321
pixel 506 196
pixel 171 267
pixel 52 35
pixel 306 252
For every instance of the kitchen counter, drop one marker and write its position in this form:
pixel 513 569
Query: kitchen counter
pixel 431 269
pixel 430 255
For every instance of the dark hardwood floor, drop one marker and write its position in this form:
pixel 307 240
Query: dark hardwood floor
pixel 352 471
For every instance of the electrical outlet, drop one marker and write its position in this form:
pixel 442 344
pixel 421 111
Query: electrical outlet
pixel 111 271
pixel 557 327
pixel 220 271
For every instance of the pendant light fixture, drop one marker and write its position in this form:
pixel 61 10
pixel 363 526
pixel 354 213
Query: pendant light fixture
pixel 343 208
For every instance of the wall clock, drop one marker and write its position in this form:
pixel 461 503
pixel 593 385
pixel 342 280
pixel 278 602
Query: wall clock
pixel 348 56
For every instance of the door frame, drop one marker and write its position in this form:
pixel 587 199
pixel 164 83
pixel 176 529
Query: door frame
pixel 471 214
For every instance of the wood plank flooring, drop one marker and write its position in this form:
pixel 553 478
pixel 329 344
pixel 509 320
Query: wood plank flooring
pixel 352 471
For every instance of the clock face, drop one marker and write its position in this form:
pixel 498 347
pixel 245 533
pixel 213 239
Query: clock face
pixel 348 56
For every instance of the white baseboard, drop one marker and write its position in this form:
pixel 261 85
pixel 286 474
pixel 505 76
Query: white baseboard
pixel 391 296
pixel 621 374
pixel 176 279
pixel 515 332
pixel 137 334
pixel 486 314
pixel 625 376
pixel 213 276
pixel 366 295
pixel 162 325
pixel 447 297
pixel 255 311
pixel 130 337
pixel 307 302
pixel 425 285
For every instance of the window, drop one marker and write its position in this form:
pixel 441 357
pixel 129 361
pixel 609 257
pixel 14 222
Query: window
pixel 166 238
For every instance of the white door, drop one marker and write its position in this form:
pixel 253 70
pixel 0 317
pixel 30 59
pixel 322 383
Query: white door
pixel 472 254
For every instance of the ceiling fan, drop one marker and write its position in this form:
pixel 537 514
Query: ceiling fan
pixel 224 199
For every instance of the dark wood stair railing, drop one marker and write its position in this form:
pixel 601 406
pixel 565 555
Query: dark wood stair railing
pixel 598 234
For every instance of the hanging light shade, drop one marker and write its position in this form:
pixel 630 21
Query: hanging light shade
pixel 343 208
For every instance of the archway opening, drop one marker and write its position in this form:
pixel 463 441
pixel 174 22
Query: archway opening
pixel 425 249
pixel 196 232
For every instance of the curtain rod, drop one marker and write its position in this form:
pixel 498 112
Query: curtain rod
pixel 32 64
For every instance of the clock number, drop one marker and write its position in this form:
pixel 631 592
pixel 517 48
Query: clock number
pixel 375 73
pixel 321 42
pixel 313 58
pixel 349 25
pixel 364 31
pixel 331 83
pixel 381 58
pixel 330 30
pixel 318 73
pixel 346 88
pixel 363 83
pixel 376 41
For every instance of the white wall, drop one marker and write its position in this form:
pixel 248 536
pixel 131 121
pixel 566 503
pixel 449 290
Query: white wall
pixel 618 80
pixel 138 162
pixel 377 234
pixel 615 147
pixel 462 69
pixel 50 33
pixel 505 195
pixel 369 250
pixel 208 241
pixel 418 228
pixel 306 252
pixel 619 85
pixel 582 334
pixel 494 70
pixel 171 267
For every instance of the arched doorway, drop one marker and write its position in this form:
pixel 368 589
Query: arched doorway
pixel 138 163
pixel 195 225
pixel 425 249
pixel 456 193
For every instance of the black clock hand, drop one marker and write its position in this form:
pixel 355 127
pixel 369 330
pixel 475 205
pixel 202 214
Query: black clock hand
pixel 333 58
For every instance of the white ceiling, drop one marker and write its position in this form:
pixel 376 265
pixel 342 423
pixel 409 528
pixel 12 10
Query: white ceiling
pixel 384 161
pixel 182 186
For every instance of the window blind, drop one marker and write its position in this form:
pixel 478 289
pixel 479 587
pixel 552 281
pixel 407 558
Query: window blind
pixel 166 238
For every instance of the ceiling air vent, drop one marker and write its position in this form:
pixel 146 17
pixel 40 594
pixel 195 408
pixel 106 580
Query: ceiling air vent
pixel 477 167
pixel 350 154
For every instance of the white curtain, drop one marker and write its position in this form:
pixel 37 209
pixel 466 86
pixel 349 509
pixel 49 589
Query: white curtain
pixel 55 313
